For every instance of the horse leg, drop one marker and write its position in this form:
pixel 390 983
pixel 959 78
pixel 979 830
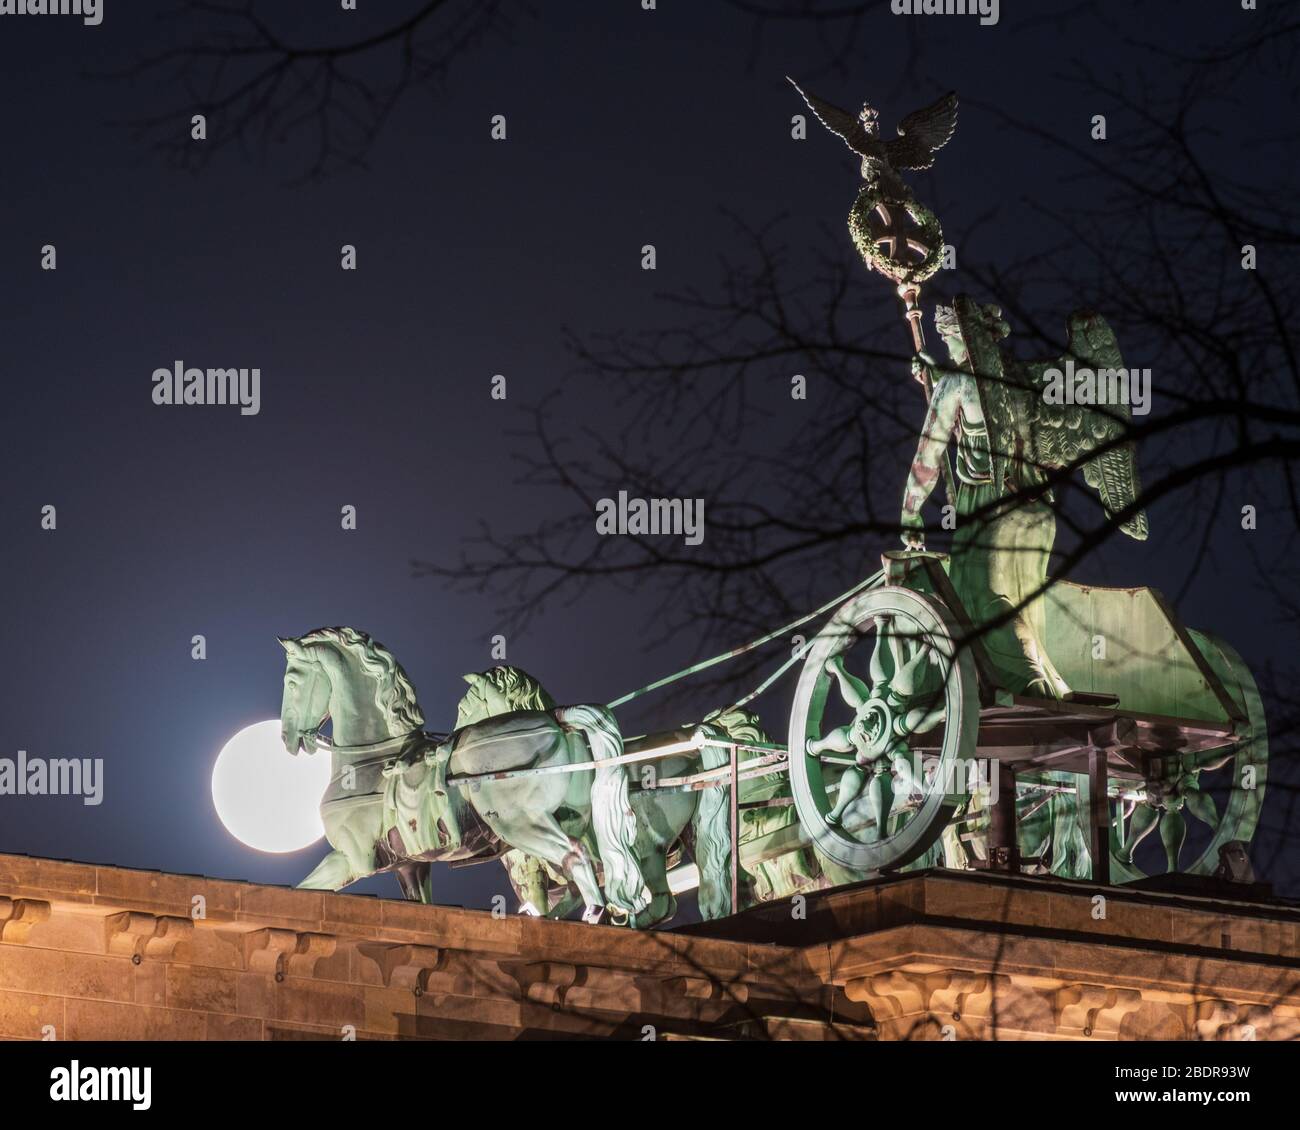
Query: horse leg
pixel 413 878
pixel 570 900
pixel 544 838
pixel 528 879
pixel 662 905
pixel 331 873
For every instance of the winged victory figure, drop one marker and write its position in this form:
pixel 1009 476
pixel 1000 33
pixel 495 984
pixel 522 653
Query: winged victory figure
pixel 1065 434
pixel 1010 438
pixel 920 136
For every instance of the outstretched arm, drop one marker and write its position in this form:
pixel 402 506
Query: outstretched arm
pixel 940 421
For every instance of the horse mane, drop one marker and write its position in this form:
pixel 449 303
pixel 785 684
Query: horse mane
pixel 394 694
pixel 519 688
pixel 739 725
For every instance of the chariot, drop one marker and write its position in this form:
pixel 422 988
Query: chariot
pixel 906 748
pixel 1069 786
pixel 958 771
pixel 957 711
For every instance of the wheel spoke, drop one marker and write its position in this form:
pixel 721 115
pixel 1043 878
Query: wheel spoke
pixel 896 649
pixel 877 811
pixel 877 667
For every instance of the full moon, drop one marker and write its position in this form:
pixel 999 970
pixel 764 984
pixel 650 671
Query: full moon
pixel 266 797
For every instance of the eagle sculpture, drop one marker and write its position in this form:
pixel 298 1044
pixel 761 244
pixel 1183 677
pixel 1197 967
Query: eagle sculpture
pixel 920 136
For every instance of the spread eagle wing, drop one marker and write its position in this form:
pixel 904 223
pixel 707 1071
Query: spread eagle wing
pixel 1065 434
pixel 922 134
pixel 838 121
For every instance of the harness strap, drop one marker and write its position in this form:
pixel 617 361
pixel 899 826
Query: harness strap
pixel 395 742
pixel 738 651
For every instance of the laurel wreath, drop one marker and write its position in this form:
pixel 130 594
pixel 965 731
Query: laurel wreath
pixel 928 232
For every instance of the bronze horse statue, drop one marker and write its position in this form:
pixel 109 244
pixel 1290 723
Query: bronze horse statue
pixel 546 782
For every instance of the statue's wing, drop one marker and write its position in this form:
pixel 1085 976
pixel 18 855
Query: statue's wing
pixel 1115 477
pixel 838 121
pixel 922 134
pixel 1066 434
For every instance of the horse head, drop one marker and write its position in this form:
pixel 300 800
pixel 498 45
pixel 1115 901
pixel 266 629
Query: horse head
pixel 305 705
pixel 343 675
pixel 500 690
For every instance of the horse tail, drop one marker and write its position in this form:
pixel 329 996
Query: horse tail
pixel 711 822
pixel 612 818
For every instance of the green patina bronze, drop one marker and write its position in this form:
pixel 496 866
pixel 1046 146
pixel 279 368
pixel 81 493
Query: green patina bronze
pixel 1009 441
pixel 1013 442
pixel 516 773
pixel 770 867
pixel 955 711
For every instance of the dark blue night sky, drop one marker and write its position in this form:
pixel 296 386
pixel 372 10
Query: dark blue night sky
pixel 625 128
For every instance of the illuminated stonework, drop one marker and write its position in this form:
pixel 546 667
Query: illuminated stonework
pixel 106 953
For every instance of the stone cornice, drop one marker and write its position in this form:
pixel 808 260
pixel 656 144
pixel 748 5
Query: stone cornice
pixel 90 951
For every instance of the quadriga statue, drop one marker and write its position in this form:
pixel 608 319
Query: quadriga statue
pixel 542 780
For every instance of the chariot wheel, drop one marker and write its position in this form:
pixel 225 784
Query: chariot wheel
pixel 1241 767
pixel 865 795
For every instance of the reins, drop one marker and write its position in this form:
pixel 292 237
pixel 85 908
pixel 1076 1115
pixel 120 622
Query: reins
pixel 739 651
